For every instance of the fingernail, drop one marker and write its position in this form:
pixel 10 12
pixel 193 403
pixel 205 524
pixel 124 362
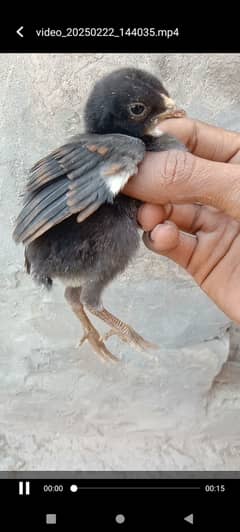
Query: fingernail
pixel 153 233
pixel 168 222
pixel 149 236
pixel 157 228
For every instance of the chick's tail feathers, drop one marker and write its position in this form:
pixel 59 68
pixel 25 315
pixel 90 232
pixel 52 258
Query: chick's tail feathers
pixel 26 262
pixel 39 278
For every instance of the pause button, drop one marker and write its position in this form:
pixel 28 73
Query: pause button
pixel 24 488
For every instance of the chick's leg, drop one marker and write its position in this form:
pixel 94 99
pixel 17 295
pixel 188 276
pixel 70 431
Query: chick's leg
pixel 91 334
pixel 122 330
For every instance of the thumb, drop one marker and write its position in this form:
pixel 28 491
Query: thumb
pixel 180 177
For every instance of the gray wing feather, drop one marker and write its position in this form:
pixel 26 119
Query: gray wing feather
pixel 76 178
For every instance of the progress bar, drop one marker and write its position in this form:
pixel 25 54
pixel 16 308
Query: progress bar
pixel 75 488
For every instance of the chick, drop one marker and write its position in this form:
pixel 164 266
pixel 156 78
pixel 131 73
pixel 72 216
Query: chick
pixel 75 224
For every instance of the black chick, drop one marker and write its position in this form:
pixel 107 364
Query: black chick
pixel 75 224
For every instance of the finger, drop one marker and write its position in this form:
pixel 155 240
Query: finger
pixel 167 240
pixel 204 140
pixel 179 177
pixel 190 218
pixel 150 215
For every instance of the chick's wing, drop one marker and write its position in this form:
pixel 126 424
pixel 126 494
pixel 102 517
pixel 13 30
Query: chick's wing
pixel 76 179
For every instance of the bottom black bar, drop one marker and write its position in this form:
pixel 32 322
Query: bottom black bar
pixel 180 504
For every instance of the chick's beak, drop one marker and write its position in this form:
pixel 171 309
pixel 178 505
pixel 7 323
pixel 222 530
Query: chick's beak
pixel 171 111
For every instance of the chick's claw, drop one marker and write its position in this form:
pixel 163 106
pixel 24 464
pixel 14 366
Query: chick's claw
pixel 97 344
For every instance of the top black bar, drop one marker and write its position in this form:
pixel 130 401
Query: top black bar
pixel 161 37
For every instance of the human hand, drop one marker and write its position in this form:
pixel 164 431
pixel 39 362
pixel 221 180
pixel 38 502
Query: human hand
pixel 209 175
pixel 201 239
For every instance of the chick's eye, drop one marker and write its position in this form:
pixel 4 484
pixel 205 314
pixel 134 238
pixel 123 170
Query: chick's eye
pixel 137 109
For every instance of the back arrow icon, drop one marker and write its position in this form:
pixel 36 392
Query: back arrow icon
pixel 189 519
pixel 19 31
